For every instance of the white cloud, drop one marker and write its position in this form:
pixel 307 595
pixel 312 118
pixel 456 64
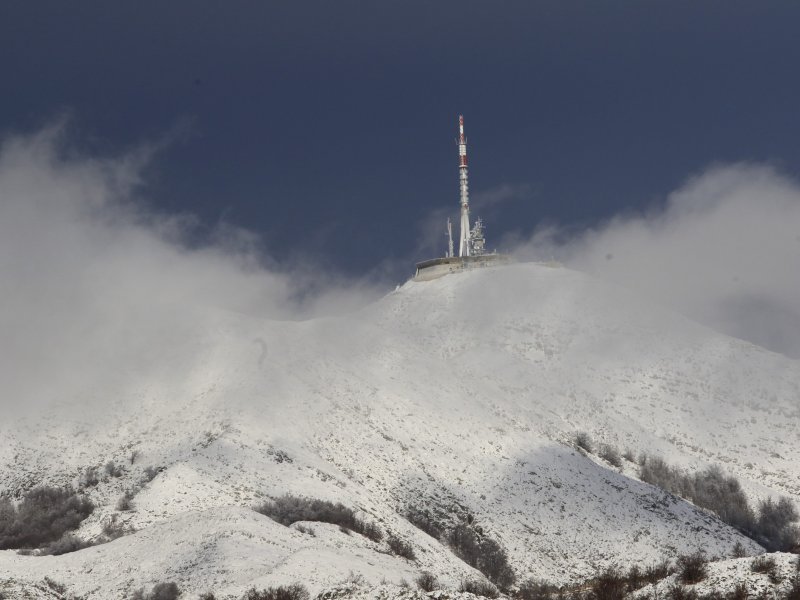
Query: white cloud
pixel 725 250
pixel 93 285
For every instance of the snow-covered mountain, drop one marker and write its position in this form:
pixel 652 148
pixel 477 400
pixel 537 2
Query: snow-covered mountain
pixel 459 396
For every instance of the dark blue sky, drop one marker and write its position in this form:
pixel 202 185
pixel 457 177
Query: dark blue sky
pixel 328 127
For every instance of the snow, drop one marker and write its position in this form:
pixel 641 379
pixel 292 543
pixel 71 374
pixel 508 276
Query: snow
pixel 725 575
pixel 461 394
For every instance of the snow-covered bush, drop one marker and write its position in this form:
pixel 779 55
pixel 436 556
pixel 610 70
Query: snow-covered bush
pixel 611 455
pixel 160 591
pixel 114 528
pixel 765 565
pixel 427 581
pixel 149 474
pixel 658 571
pixel 609 585
pixel 306 530
pixel 582 440
pixel 479 588
pixel 692 568
pixel 294 591
pixel 465 543
pixel 113 470
pixel 89 478
pixel 794 592
pixel 533 589
pixel 400 547
pixel 679 592
pixel 773 525
pixel 739 551
pixel 125 502
pixel 483 553
pixel 66 543
pixel 424 521
pixel 775 528
pixel 43 516
pixel 289 509
pixel 493 562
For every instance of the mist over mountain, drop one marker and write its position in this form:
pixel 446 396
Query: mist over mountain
pixel 178 386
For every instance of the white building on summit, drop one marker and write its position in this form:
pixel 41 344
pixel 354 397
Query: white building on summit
pixel 471 241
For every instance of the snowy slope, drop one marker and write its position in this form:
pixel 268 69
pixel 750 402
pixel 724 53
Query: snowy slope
pixel 459 395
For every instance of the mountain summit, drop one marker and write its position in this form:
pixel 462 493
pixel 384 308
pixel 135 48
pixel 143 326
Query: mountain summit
pixel 447 402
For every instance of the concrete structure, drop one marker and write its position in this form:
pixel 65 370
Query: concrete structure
pixel 439 267
pixel 472 243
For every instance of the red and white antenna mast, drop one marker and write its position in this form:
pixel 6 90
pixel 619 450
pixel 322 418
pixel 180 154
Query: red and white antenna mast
pixel 463 245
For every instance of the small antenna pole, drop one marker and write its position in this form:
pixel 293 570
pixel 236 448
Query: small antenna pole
pixel 449 238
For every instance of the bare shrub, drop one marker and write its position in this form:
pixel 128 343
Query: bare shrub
pixel 738 551
pixel 740 592
pixel 89 478
pixel 401 547
pixel 165 591
pixel 306 530
pixel 427 581
pixel 424 521
pixel 493 562
pixel 207 596
pixel 532 589
pixel 43 516
pixel 483 553
pixel 765 565
pixel 125 502
pixel 368 530
pixel 656 471
pixel 295 591
pixel 678 592
pixel 692 568
pixel 57 587
pixel 113 470
pixel 356 578
pixel 149 474
pixel 611 455
pixel 629 455
pixel 656 572
pixel 289 509
pixel 634 578
pixel 114 528
pixel 584 441
pixel 713 490
pixel 66 543
pixel 135 454
pixel 775 527
pixel 465 543
pixel 160 591
pixel 608 585
pixel 793 593
pixel 479 588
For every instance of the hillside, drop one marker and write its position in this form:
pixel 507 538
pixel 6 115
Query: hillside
pixel 458 396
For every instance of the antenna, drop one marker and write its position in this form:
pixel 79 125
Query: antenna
pixel 463 244
pixel 449 238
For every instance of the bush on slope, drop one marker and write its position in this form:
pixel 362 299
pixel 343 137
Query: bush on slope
pixel 772 525
pixel 483 553
pixel 289 509
pixel 43 516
